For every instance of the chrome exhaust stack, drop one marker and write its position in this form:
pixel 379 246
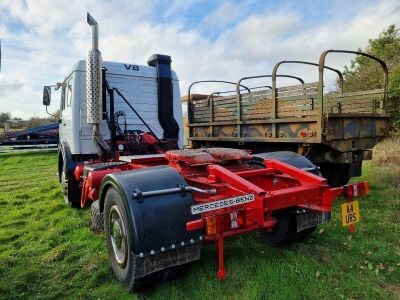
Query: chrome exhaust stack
pixel 93 77
pixel 95 31
pixel 94 107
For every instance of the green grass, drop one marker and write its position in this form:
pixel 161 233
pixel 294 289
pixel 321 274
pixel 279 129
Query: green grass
pixel 48 251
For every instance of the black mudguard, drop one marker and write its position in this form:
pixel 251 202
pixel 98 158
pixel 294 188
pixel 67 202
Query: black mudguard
pixel 65 152
pixel 291 158
pixel 159 222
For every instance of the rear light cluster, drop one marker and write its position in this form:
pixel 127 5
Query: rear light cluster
pixel 356 189
pixel 225 222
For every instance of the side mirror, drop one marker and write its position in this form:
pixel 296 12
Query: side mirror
pixel 46 95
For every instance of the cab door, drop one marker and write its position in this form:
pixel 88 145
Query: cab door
pixel 66 111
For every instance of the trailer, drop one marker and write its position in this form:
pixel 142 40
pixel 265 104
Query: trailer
pixel 157 203
pixel 43 134
pixel 335 130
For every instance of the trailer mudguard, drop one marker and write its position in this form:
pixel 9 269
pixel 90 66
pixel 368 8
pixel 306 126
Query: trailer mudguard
pixel 291 158
pixel 159 222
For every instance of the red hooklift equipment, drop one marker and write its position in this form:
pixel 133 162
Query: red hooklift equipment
pixel 233 196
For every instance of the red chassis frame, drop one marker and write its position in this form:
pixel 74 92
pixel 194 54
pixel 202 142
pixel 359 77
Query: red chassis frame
pixel 275 186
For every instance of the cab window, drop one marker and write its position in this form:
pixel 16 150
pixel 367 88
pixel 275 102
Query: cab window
pixel 62 102
pixel 68 93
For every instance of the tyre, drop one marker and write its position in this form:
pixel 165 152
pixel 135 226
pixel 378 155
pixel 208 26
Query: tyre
pixel 336 174
pixel 118 230
pixel 283 231
pixel 96 217
pixel 70 188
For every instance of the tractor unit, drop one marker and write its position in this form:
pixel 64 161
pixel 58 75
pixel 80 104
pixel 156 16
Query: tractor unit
pixel 121 152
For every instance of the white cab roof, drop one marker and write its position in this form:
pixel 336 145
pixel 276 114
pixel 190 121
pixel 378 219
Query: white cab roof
pixel 125 69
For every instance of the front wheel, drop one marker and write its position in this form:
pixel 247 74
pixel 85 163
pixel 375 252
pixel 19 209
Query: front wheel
pixel 70 188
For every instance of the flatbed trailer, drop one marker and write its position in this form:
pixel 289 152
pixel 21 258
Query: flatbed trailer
pixel 42 134
pixel 334 130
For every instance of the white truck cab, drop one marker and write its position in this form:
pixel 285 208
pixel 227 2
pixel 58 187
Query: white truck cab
pixel 138 83
pixel 110 108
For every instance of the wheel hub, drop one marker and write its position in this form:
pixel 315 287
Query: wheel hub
pixel 118 238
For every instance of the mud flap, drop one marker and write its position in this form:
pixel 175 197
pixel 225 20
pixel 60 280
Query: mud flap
pixel 159 235
pixel 311 219
pixel 162 260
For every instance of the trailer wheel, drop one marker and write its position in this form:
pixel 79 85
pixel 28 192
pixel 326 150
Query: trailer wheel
pixel 284 229
pixel 96 217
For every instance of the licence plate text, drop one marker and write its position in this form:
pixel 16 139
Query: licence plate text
pixel 350 213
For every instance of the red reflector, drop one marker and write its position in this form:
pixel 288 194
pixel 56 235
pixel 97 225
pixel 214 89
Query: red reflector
pixel 240 219
pixel 348 191
pixel 356 189
pixel 363 188
pixel 194 225
pixel 366 187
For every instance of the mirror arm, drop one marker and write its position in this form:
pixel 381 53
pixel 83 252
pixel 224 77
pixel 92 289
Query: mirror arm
pixel 54 116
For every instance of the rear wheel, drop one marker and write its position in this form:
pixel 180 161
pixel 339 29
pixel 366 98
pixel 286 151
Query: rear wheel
pixel 117 229
pixel 285 230
pixel 96 217
pixel 119 238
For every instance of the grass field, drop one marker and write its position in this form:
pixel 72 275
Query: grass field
pixel 48 251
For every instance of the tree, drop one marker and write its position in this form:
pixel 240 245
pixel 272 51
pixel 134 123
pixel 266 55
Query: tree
pixel 366 74
pixel 4 117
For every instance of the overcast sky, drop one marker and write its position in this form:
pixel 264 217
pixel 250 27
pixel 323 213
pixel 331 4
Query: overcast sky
pixel 42 39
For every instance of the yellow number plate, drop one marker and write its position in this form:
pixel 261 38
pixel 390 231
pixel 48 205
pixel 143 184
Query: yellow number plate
pixel 350 213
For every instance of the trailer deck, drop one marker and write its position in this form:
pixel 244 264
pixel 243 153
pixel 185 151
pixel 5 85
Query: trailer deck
pixel 300 114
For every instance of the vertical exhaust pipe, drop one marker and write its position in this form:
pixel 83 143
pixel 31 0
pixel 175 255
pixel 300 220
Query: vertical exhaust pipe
pixel 94 111
pixel 93 77
pixel 95 31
